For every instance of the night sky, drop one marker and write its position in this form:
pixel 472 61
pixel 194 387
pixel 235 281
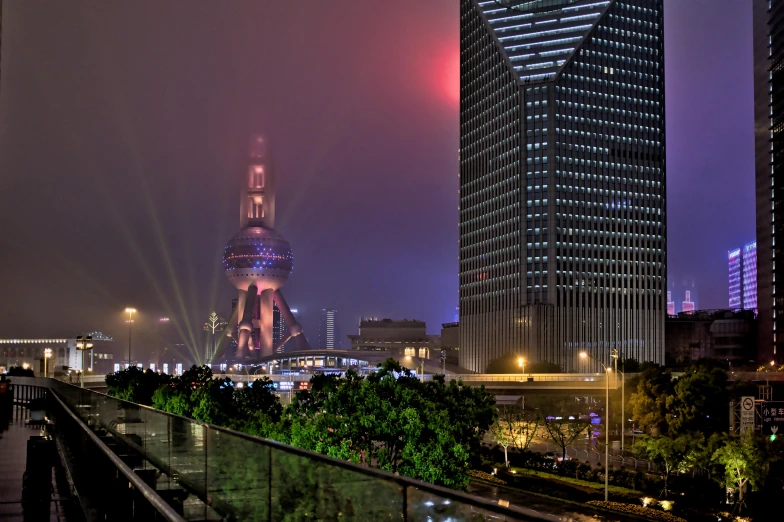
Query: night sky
pixel 123 132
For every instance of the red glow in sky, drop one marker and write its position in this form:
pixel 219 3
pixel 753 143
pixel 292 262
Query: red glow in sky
pixel 448 75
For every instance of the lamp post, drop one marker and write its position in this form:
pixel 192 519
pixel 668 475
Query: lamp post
pixel 615 354
pixel 607 371
pixel 47 354
pixel 521 364
pixel 422 361
pixel 130 312
pixel 83 344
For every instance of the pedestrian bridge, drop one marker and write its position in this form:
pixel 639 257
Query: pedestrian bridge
pixel 131 462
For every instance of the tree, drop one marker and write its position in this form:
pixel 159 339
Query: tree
pixel 521 425
pixel 135 385
pixel 744 461
pixel 648 402
pixel 698 400
pixel 564 420
pixel 667 453
pixel 502 435
pixel 391 420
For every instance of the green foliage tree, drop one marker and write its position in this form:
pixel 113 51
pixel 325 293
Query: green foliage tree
pixel 744 462
pixel 135 385
pixel 501 433
pixel 698 400
pixel 648 402
pixel 391 420
pixel 669 454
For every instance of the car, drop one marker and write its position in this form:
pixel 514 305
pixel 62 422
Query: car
pixel 637 431
pixel 549 455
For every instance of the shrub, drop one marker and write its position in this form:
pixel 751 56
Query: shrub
pixel 652 514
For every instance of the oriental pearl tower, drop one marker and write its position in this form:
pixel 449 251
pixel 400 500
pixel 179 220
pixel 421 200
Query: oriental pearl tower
pixel 258 261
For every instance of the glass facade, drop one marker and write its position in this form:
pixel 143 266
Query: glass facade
pixel 734 261
pixel 768 21
pixel 562 220
pixel 743 277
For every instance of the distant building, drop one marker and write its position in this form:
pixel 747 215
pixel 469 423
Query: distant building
pixel 670 304
pixel 742 263
pixel 687 307
pixel 450 342
pixel 406 337
pixel 717 334
pixel 279 328
pixel 329 331
pixel 100 360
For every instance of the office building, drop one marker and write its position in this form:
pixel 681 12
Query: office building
pixel 329 331
pixel 562 180
pixel 280 330
pixel 742 264
pixel 404 337
pixel 768 23
pixel 687 306
pixel 717 334
pixel 64 356
pixel 670 304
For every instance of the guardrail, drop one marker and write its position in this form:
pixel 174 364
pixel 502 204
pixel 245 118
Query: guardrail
pixel 248 478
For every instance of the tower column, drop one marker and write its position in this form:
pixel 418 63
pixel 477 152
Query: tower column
pixel 265 323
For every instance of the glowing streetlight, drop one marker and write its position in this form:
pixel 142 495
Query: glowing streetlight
pixel 47 354
pixel 409 358
pixel 130 312
pixel 521 364
pixel 607 370
pixel 25 366
pixel 83 344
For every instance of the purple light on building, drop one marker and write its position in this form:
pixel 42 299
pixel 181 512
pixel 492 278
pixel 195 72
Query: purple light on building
pixel 750 276
pixel 734 257
pixel 743 277
pixel 670 304
pixel 687 306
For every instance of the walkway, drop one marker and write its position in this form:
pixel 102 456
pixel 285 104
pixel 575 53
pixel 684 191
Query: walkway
pixel 14 434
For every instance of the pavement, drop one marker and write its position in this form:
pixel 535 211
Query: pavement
pixel 14 432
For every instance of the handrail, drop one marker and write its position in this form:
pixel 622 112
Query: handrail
pixel 149 493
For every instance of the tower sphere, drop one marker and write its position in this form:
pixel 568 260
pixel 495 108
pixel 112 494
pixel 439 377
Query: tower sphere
pixel 258 256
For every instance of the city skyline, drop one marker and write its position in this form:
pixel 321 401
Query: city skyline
pixel 152 233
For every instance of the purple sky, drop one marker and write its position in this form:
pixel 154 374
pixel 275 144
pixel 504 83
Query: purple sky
pixel 122 136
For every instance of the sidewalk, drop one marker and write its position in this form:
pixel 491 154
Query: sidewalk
pixel 13 448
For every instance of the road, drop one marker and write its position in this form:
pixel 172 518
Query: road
pixel 557 509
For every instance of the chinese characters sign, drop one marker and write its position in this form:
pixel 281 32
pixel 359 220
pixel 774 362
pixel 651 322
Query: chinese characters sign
pixel 772 414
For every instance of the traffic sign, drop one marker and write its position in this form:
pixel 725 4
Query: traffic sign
pixel 746 414
pixel 772 414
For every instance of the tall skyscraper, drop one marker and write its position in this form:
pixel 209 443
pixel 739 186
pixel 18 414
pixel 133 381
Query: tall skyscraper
pixel 670 304
pixel 280 330
pixel 734 262
pixel 329 332
pixel 743 277
pixel 688 305
pixel 768 22
pixel 562 180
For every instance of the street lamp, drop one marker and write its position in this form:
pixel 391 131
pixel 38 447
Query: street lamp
pixel 47 354
pixel 607 370
pixel 130 312
pixel 616 355
pixel 521 364
pixel 422 361
pixel 83 344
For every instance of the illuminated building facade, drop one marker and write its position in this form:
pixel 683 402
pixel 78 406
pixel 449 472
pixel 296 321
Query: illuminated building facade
pixel 743 277
pixel 670 304
pixel 329 331
pixel 734 260
pixel 562 180
pixel 687 306
pixel 768 40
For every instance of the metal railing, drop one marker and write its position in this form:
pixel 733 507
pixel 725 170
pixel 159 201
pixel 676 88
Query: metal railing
pixel 248 478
